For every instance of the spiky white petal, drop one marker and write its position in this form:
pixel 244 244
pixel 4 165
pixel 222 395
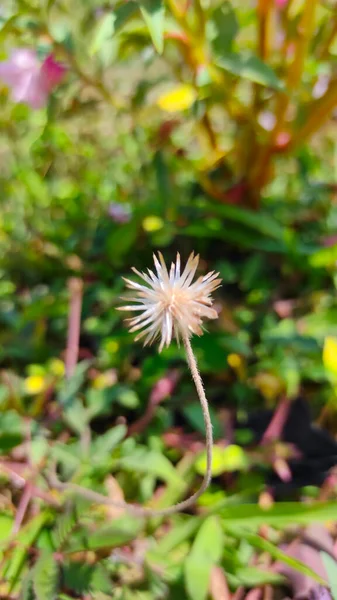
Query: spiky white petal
pixel 170 304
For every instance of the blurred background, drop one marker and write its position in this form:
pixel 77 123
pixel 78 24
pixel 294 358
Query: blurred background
pixel 129 127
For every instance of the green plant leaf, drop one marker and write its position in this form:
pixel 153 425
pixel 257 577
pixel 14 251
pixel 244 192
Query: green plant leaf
pixel 111 536
pixel 11 428
pixel 324 257
pixel 153 12
pixel 63 529
pixel 68 456
pixel 104 31
pixel 83 578
pixel 266 546
pixel 231 458
pixel 193 413
pixel 45 577
pixel 250 67
pixel 205 553
pixel 120 241
pixel 331 570
pixel 6 524
pixel 71 386
pixel 143 461
pixel 76 416
pixel 262 221
pixel 110 23
pixel 27 591
pixel 252 576
pixel 280 514
pixel 178 534
pixel 226 26
pixel 104 444
pixel 25 539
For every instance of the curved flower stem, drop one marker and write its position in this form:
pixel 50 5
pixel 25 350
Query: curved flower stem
pixel 192 363
pixel 170 510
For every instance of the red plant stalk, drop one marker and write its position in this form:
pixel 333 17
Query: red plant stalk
pixel 75 287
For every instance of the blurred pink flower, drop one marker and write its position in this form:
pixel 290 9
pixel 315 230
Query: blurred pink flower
pixel 30 80
pixel 164 387
pixel 281 3
pixel 119 213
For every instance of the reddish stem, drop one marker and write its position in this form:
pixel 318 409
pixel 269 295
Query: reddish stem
pixel 279 418
pixel 75 286
pixel 23 505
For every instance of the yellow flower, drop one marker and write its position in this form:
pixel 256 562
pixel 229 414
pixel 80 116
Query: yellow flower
pixel 111 346
pixel 179 98
pixel 56 367
pixel 104 380
pixel 269 385
pixel 153 223
pixel 34 384
pixel 234 361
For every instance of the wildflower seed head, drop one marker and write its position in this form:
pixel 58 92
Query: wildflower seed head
pixel 169 303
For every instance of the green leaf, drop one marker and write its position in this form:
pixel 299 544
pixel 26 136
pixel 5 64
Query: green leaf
pixel 117 534
pixel 280 514
pixel 65 525
pixel 120 241
pixel 127 397
pixel 6 524
pixel 143 461
pixel 11 428
pixel 83 578
pixel 68 456
pixel 27 592
pixel 274 551
pixel 71 386
pixel 330 566
pixel 45 577
pixel 226 26
pixel 324 257
pixel 76 416
pixel 178 534
pixel 104 444
pixel 104 31
pixel 123 13
pixel 262 221
pixel 209 540
pixel 153 12
pixel 24 540
pixel 231 458
pixel 252 576
pixel 250 67
pixel 193 413
pixel 206 552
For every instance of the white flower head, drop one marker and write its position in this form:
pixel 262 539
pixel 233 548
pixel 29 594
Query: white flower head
pixel 170 304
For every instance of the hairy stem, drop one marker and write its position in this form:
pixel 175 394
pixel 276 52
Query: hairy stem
pixel 149 512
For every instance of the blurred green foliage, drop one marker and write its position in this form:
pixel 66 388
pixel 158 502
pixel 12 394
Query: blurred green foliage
pixel 179 125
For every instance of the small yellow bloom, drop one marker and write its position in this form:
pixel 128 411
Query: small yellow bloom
pixel 330 354
pixel 153 223
pixel 56 367
pixel 104 380
pixel 34 384
pixel 269 385
pixel 179 98
pixel 111 346
pixel 234 361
